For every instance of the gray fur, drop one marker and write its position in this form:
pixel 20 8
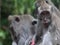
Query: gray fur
pixel 23 28
pixel 54 27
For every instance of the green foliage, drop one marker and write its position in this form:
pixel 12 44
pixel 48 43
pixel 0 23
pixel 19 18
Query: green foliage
pixel 2 34
pixel 24 6
pixel 5 38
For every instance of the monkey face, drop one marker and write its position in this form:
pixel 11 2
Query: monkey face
pixel 45 18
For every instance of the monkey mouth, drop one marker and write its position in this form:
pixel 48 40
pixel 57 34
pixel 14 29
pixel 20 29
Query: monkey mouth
pixel 46 24
pixel 45 21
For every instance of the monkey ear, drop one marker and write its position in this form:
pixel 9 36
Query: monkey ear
pixel 34 22
pixel 10 18
pixel 17 19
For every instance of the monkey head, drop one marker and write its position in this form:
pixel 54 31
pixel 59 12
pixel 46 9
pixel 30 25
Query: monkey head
pixel 44 14
pixel 22 25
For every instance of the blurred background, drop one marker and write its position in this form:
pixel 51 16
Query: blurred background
pixel 15 7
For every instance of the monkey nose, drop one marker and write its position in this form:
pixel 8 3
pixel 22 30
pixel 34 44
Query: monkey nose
pixel 45 20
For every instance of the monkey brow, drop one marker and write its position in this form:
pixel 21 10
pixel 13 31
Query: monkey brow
pixel 44 12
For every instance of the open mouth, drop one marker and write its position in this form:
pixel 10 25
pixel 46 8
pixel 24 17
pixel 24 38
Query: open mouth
pixel 46 25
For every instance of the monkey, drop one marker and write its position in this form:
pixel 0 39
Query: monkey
pixel 47 20
pixel 44 26
pixel 22 28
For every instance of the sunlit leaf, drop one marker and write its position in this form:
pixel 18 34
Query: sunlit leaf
pixel 2 34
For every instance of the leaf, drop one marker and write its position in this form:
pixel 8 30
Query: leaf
pixel 2 34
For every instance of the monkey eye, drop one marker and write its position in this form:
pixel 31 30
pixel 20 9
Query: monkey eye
pixel 17 19
pixel 34 22
pixel 46 1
